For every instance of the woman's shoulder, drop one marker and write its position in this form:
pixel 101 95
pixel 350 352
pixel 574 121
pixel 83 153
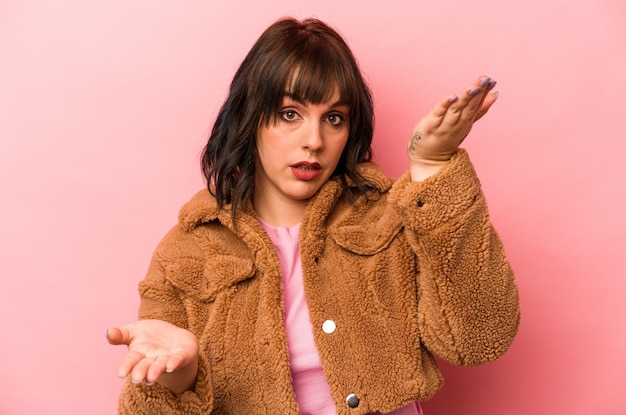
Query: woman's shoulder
pixel 201 232
pixel 201 208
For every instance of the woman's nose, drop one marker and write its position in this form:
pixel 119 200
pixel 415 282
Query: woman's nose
pixel 314 140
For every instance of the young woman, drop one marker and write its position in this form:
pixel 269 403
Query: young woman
pixel 305 281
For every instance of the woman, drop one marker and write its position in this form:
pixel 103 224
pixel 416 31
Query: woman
pixel 303 280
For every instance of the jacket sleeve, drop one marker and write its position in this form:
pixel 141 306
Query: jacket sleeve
pixel 468 306
pixel 159 300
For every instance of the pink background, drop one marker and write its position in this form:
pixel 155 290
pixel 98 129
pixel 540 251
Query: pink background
pixel 104 109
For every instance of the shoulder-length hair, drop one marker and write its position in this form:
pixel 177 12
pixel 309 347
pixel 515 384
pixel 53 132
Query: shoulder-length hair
pixel 312 61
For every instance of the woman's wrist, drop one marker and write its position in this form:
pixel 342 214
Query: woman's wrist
pixel 180 380
pixel 422 169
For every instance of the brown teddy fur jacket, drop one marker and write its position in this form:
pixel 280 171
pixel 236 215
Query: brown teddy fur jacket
pixel 416 272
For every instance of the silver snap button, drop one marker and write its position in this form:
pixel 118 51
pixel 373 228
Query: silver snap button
pixel 353 400
pixel 329 326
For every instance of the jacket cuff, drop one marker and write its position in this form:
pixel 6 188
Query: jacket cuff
pixel 155 399
pixel 141 399
pixel 431 203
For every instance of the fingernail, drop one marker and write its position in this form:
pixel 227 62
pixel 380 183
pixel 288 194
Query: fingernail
pixel 149 383
pixel 106 333
pixel 491 85
pixel 485 81
pixel 136 382
pixel 454 99
pixel 474 91
pixel 497 93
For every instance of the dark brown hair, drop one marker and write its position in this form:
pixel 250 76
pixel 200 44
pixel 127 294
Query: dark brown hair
pixel 312 61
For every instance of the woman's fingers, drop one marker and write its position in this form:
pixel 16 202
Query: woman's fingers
pixel 129 363
pixel 117 336
pixel 150 368
pixel 140 371
pixel 490 98
pixel 465 109
pixel 145 368
pixel 432 121
pixel 157 368
pixel 440 110
pixel 174 362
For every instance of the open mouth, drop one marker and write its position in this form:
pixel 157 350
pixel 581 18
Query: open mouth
pixel 306 171
pixel 306 168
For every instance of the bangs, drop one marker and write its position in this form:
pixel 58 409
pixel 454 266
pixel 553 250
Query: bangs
pixel 309 71
pixel 317 79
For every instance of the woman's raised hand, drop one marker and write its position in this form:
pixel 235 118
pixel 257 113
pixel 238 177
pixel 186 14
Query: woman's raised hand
pixel 157 352
pixel 437 136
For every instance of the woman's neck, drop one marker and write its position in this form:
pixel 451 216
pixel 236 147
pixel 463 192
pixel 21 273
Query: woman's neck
pixel 279 212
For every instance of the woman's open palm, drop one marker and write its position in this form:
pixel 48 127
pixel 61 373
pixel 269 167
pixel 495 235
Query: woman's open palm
pixel 155 348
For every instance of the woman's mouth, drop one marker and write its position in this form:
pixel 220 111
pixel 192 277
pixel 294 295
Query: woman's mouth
pixel 306 171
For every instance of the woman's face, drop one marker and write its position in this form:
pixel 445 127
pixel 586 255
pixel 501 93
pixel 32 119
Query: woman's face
pixel 299 150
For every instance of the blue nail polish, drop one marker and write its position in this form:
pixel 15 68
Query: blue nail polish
pixel 485 82
pixel 149 383
pixel 454 99
pixel 491 85
pixel 473 91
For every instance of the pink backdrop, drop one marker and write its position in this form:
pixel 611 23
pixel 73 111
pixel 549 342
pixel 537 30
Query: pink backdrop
pixel 104 108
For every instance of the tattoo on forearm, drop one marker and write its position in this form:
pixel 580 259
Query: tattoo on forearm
pixel 414 139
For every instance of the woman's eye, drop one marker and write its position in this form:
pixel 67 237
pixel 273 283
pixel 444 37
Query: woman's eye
pixel 335 119
pixel 288 115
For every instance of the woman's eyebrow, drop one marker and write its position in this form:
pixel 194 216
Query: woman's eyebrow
pixel 299 100
pixel 293 97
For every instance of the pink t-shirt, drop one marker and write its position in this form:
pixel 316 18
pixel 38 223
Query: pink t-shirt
pixel 309 383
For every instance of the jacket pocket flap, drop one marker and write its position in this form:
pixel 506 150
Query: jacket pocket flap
pixel 367 240
pixel 203 279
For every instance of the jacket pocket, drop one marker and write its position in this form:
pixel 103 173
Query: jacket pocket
pixel 202 279
pixel 368 239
